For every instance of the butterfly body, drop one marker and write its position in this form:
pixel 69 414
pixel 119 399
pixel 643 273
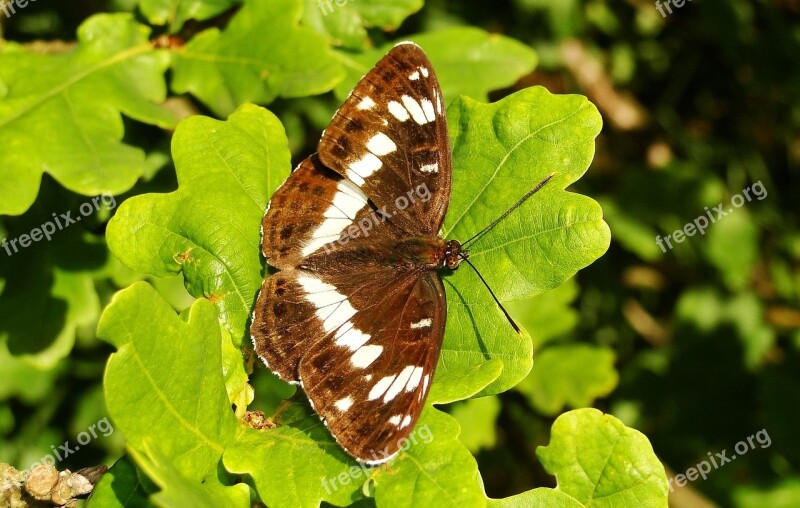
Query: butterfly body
pixel 404 254
pixel 356 312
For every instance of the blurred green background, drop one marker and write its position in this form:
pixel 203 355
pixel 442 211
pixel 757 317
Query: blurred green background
pixel 696 346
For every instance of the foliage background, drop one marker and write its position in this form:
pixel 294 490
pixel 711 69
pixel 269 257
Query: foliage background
pixel 696 347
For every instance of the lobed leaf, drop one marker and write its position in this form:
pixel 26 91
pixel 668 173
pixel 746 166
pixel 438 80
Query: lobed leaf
pixel 491 62
pixel 248 63
pixel 209 228
pixel 73 102
pixel 600 462
pixel 163 387
pixel 571 375
pixel 119 487
pixel 176 13
pixel 345 24
pixel 500 151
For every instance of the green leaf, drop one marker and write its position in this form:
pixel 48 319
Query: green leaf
pixel 600 462
pixel 177 12
pixel 74 101
pixel 540 498
pixel 500 151
pixel 490 61
pixel 262 54
pixel 178 491
pixel 785 494
pixel 457 384
pixel 477 418
pixel 164 386
pixel 346 25
pixel 570 375
pixel 20 379
pixel 732 247
pixel 440 473
pixel 633 233
pixel 119 487
pixel 209 228
pixel 549 315
pixel 304 450
pixel 709 311
pixel 50 296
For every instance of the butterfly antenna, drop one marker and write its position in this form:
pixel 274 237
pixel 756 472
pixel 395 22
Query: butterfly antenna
pixel 505 214
pixel 508 316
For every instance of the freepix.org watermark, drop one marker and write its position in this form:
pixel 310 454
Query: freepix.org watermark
pixel 421 193
pixel 677 3
pixel 719 459
pixel 59 222
pixel 102 428
pixel 326 6
pixel 715 214
pixel 8 6
pixel 332 484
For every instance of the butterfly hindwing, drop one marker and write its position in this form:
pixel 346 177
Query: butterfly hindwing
pixel 369 378
pixel 390 138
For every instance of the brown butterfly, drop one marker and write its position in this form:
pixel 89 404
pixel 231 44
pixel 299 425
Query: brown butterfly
pixel 356 314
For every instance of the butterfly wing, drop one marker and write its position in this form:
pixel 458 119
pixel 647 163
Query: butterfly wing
pixel 369 379
pixel 317 210
pixel 363 344
pixel 390 139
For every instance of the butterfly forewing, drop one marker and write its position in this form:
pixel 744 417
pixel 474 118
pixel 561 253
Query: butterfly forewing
pixel 390 137
pixel 356 313
pixel 316 210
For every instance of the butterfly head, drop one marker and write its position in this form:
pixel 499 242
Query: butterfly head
pixel 454 254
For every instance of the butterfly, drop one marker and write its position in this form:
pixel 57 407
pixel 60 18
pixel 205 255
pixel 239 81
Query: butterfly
pixel 356 313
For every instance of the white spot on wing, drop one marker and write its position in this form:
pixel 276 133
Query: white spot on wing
pixel 351 338
pixel 319 293
pixel 414 76
pixel 332 306
pixel 395 420
pixel 366 103
pixel 343 404
pixel 427 108
pixel 381 144
pixel 347 202
pixel 425 383
pixel 399 383
pixel 414 380
pixel 415 109
pixel 422 323
pixel 424 71
pixel 351 189
pixel 365 355
pixel 363 168
pixel 430 168
pixel 380 387
pixel 343 312
pixel 406 422
pixel 398 111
